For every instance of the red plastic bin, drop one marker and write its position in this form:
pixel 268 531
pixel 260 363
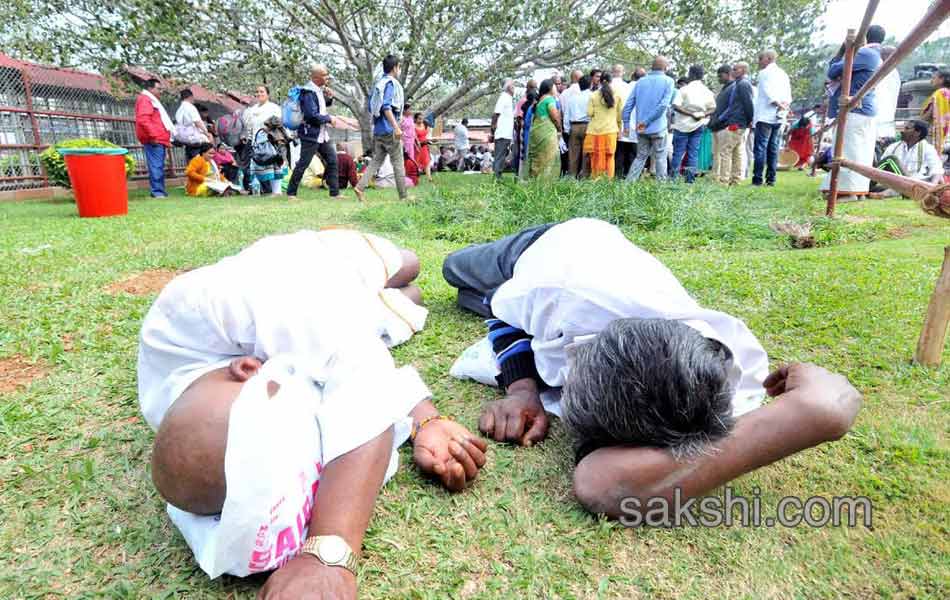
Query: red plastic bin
pixel 98 179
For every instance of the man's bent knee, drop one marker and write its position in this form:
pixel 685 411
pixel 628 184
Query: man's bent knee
pixel 188 455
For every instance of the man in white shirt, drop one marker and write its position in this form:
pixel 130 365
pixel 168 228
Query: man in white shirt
pixel 771 108
pixel 658 393
pixel 191 129
pixel 692 107
pixel 886 94
pixel 300 323
pixel 913 156
pixel 576 120
pixel 461 137
pixel 503 126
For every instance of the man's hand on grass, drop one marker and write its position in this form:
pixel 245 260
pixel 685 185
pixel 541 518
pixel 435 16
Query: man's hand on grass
pixel 306 578
pixel 449 452
pixel 519 417
pixel 827 401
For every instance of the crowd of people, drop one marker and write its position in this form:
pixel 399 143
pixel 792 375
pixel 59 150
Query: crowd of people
pixel 604 125
pixel 597 124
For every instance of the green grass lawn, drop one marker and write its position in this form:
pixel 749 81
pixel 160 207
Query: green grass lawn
pixel 80 518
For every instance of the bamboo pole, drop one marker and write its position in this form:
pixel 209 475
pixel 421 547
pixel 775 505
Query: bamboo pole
pixel 843 103
pixel 934 199
pixel 934 333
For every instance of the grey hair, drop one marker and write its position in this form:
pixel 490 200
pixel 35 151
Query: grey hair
pixel 769 54
pixel 504 84
pixel 649 382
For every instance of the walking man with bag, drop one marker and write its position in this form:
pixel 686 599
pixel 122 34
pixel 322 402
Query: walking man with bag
pixel 387 134
pixel 315 98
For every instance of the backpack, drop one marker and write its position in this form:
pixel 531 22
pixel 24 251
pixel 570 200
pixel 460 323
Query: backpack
pixel 231 128
pixel 264 153
pixel 291 112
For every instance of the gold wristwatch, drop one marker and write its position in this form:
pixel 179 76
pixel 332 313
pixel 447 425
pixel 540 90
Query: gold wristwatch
pixel 331 550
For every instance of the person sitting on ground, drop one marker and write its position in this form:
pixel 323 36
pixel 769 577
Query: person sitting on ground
pixel 301 323
pixel 913 156
pixel 225 160
pixel 448 159
pixel 658 393
pixel 203 178
pixel 345 167
pixel 313 176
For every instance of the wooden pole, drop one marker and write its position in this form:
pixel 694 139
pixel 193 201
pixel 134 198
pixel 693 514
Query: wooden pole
pixel 934 333
pixel 934 199
pixel 843 103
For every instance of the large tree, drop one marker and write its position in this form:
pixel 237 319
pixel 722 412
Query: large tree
pixel 454 52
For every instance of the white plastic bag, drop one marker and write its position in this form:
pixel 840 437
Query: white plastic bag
pixel 478 363
pixel 272 466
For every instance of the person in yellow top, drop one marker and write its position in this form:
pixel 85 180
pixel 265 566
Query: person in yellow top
pixel 600 143
pixel 203 178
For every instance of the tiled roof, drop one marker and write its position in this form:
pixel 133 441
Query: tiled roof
pixel 57 76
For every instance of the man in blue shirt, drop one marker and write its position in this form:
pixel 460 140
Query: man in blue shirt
pixel 385 102
pixel 651 99
pixel 860 134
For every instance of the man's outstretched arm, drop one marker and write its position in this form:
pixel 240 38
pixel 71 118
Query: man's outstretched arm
pixel 344 505
pixel 811 406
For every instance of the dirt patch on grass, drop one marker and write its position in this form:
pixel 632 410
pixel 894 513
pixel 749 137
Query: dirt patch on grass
pixel 144 283
pixel 16 373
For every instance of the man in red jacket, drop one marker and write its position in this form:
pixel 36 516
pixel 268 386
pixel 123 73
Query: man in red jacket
pixel 153 129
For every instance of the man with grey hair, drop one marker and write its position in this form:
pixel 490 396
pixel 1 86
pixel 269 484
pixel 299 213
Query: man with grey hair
pixel 503 126
pixel 771 109
pixel 658 393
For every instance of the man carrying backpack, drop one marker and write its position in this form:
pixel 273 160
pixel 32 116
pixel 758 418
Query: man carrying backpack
pixel 315 99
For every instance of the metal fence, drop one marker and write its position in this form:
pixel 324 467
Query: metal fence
pixel 42 105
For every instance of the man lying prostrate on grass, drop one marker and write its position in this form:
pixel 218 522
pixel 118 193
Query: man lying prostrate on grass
pixel 267 376
pixel 657 392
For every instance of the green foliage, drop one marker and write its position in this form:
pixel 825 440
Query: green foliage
pixel 56 167
pixel 659 217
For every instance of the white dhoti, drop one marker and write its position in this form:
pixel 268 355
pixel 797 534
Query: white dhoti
pixel 860 136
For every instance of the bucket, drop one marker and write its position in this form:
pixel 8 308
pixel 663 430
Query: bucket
pixel 98 179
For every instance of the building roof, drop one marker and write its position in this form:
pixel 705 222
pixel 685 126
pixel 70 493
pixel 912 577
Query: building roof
pixel 57 76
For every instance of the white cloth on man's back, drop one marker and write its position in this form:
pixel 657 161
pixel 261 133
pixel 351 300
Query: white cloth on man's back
pixel 774 86
pixel 314 307
pixel 162 113
pixel 692 97
pixel 583 274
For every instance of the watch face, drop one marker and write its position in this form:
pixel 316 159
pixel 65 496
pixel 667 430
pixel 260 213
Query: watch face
pixel 332 549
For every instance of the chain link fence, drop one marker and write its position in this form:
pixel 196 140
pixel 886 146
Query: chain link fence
pixel 42 105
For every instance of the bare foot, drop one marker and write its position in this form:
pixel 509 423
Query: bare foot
pixel 359 194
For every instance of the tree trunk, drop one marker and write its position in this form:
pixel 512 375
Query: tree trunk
pixel 366 130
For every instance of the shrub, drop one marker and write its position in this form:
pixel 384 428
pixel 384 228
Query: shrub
pixel 56 167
